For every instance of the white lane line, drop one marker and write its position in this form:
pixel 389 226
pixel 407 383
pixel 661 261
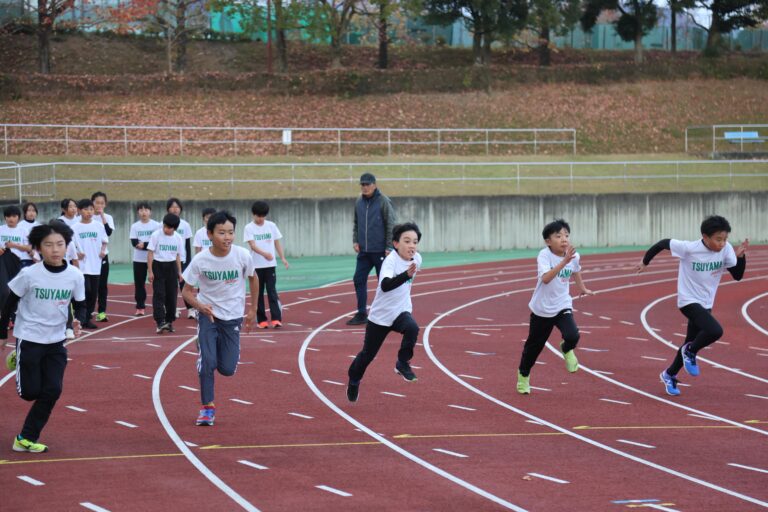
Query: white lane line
pixel 757 396
pixel 392 394
pixel 191 353
pixel 91 506
pixel 534 422
pixel 126 424
pixel 461 407
pixel 189 388
pixel 280 371
pixel 100 367
pixel 540 389
pixel 720 342
pixel 473 377
pixel 748 467
pixel 473 353
pixel 293 325
pixel 191 457
pixel 30 480
pixel 678 334
pixel 333 490
pixel 604 318
pixel 333 382
pixel 615 401
pixel 702 416
pixel 656 506
pixel 587 349
pixel 316 312
pixel 603 372
pixel 333 301
pixel 142 376
pixel 634 443
pixel 452 454
pixel 636 339
pixel 653 358
pixel 153 345
pixel 265 340
pixel 585 313
pixel 480 333
pixel 625 322
pixel 252 464
pixel 759 348
pixel 189 443
pixel 748 318
pixel 314 349
pixel 303 416
pixel 484 319
pixel 76 409
pixel 237 400
pixel 550 478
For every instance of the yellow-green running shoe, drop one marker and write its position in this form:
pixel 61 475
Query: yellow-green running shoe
pixel 10 360
pixel 523 384
pixel 571 363
pixel 25 445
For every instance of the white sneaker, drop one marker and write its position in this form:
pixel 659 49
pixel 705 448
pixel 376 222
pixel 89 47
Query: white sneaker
pixel 178 313
pixel 69 334
pixel 191 313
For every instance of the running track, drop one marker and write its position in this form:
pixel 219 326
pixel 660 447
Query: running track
pixel 122 436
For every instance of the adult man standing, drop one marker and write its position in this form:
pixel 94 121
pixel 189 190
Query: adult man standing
pixel 371 239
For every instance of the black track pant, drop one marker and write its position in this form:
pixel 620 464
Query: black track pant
pixel 103 290
pixel 703 330
pixel 139 280
pixel 39 379
pixel 268 281
pixel 165 287
pixel 374 337
pixel 538 333
pixel 91 292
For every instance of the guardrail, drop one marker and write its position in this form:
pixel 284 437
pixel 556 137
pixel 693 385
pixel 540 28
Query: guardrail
pixel 710 138
pixel 244 140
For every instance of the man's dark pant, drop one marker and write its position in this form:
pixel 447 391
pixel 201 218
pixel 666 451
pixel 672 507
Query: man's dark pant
pixel 365 262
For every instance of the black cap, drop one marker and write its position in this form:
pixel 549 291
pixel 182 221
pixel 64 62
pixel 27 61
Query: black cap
pixel 367 178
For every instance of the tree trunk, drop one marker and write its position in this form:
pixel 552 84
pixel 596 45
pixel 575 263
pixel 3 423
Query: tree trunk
pixel 335 50
pixel 639 47
pixel 477 48
pixel 282 51
pixel 169 49
pixel 673 26
pixel 180 57
pixel 543 49
pixel 714 37
pixel 44 29
pixel 383 39
pixel 487 40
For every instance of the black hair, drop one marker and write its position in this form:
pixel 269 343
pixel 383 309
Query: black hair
pixel 260 208
pixel 65 203
pixel 39 233
pixel 26 206
pixel 208 211
pixel 171 220
pixel 555 227
pixel 220 217
pixel 170 202
pixel 714 224
pixel 399 229
pixel 143 204
pixel 10 211
pixel 99 194
pixel 84 203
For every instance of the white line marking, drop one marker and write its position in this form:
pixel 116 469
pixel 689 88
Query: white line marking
pixel 265 340
pixel 484 319
pixel 604 318
pixel 678 334
pixel 585 313
pixel 30 480
pixel 540 389
pixel 615 401
pixel 126 424
pixel 653 358
pixel 462 407
pixel 76 409
pixel 603 372
pixel 281 371
pixel 91 506
pixel 191 353
pixel 100 367
pixel 721 343
pixel 142 376
pixel 392 394
pixel 550 478
pixel 334 301
pixel 314 349
pixel 757 396
pixel 334 491
pixel 534 422
pixel 473 353
pixel 453 454
pixel 189 443
pixel 748 467
pixel 625 322
pixel 759 348
pixel 252 464
pixel 703 417
pixel 237 400
pixel 633 443
pixel 636 339
pixel 473 377
pixel 316 312
pixel 480 333
pixel 586 349
pixel 304 416
pixel 748 318
pixel 153 345
pixel 334 382
pixel 293 325
pixel 658 507
pixel 189 388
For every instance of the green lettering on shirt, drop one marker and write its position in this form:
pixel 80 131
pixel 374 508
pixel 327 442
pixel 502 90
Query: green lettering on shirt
pixel 52 294
pixel 707 266
pixel 88 234
pixel 566 273
pixel 144 233
pixel 262 236
pixel 11 238
pixel 164 247
pixel 221 275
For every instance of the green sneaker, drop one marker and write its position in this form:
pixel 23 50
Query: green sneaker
pixel 523 384
pixel 10 360
pixel 25 445
pixel 571 363
pixel 102 317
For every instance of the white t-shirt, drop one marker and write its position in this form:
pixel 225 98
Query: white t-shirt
pixel 71 254
pixel 185 232
pixel 30 225
pixel 142 231
pixel 88 238
pixel 387 306
pixel 551 298
pixel 165 247
pixel 16 235
pixel 221 280
pixel 201 238
pixel 70 222
pixel 45 297
pixel 700 271
pixel 265 237
pixel 110 223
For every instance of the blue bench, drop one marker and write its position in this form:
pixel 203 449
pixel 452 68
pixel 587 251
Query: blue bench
pixel 744 138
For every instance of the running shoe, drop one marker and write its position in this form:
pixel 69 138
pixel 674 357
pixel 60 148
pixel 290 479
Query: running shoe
pixel 69 334
pixel 90 325
pixel 262 325
pixel 206 417
pixel 689 361
pixel 404 370
pixel 670 383
pixel 139 312
pixel 25 445
pixel 353 390
pixel 277 324
pixel 102 317
pixel 178 313
pixel 191 313
pixel 10 360
pixel 170 327
pixel 358 319
pixel 523 384
pixel 571 363
pixel 161 328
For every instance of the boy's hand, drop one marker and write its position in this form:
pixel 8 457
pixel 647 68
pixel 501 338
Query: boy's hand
pixel 249 319
pixel 205 309
pixel 640 267
pixel 285 262
pixel 2 251
pixel 586 291
pixel 268 256
pixel 411 269
pixel 151 277
pixel 77 328
pixel 742 249
pixel 81 255
pixel 102 255
pixel 570 253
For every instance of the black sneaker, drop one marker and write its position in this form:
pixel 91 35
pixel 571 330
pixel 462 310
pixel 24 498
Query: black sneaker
pixel 90 325
pixel 358 319
pixel 170 327
pixel 352 391
pixel 404 370
pixel 161 328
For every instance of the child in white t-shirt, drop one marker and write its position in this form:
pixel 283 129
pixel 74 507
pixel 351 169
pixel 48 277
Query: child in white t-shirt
pixel 174 206
pixel 41 295
pixel 219 273
pixel 702 264
pixel 69 212
pixel 201 240
pixel 391 309
pixel 263 239
pixel 551 305
pixel 164 256
pixel 139 235
pixel 91 240
pixel 99 204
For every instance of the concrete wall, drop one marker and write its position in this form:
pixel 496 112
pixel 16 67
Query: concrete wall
pixel 324 227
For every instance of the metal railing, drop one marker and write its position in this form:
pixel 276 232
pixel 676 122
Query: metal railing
pixel 244 140
pixel 709 138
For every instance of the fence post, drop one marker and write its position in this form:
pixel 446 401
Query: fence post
pixel 686 140
pixel 66 140
pixel 293 176
pixel 518 178
pixel 574 141
pixel 5 137
pixel 487 149
pixel 438 140
pixel 125 140
pixel 338 140
pixel 234 139
pixel 713 141
pixel 181 142
pixel 536 147
pixel 389 142
pixel 625 176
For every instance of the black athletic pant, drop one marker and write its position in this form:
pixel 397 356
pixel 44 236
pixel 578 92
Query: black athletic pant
pixel 374 337
pixel 39 379
pixel 91 292
pixel 538 333
pixel 103 290
pixel 139 279
pixel 365 262
pixel 165 287
pixel 703 330
pixel 268 280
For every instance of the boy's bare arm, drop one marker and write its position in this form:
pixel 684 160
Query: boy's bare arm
pixel 150 259
pixel 583 290
pixel 279 249
pixel 250 316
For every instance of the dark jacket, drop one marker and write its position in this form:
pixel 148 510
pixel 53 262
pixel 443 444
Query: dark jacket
pixel 374 220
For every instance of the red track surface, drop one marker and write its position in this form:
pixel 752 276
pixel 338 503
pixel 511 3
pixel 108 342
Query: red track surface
pixel 599 439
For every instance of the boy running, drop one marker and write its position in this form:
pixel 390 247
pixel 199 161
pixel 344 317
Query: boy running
pixel 219 273
pixel 702 264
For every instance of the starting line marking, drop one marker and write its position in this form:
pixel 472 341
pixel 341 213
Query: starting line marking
pixel 633 443
pixel 757 396
pixel 392 394
pixel 30 480
pixel 153 345
pixel 76 409
pixel 615 401
pixel 540 389
pixel 189 388
pixel 280 371
pixel 550 478
pixel 625 322
pixel 91 506
pixel 636 339
pixel 252 464
pixel 453 454
pixel 473 353
pixel 244 402
pixel 463 408
pixel 142 376
pixel 653 358
pixel 747 467
pixel 126 424
pixel 470 377
pixel 480 333
pixel 334 491
pixel 333 382
pixel 304 416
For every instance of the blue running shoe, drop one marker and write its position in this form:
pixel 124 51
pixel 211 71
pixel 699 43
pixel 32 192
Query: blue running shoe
pixel 670 383
pixel 689 361
pixel 207 416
